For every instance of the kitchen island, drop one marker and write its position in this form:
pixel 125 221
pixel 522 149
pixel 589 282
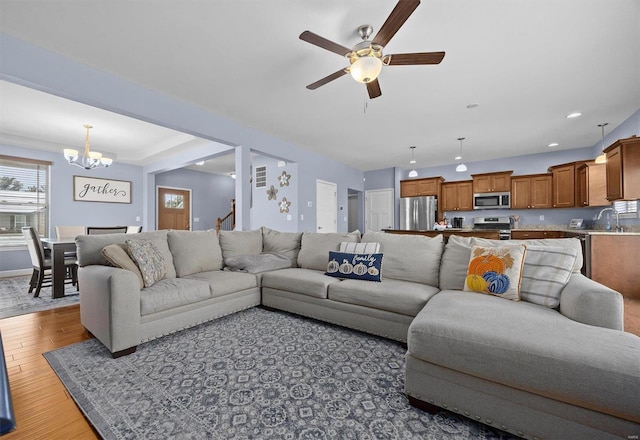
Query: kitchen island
pixel 491 234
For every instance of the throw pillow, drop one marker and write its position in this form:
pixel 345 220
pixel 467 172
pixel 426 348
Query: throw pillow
pixel 496 271
pixel 366 267
pixel 546 271
pixel 359 248
pixel 148 259
pixel 117 256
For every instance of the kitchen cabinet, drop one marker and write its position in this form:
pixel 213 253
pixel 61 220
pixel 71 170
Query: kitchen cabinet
pixel 623 169
pixel 531 191
pixel 457 196
pixel 421 187
pixel 564 185
pixel 492 182
pixel 614 262
pixel 592 184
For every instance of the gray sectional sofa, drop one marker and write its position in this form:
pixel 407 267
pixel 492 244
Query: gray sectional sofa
pixel 537 372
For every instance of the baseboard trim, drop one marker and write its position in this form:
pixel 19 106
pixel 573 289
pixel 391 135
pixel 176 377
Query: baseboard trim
pixel 15 273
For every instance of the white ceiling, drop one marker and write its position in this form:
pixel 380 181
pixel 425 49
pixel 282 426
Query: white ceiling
pixel 526 64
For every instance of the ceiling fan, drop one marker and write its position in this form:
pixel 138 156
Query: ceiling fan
pixel 366 58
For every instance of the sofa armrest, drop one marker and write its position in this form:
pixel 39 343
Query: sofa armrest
pixel 589 302
pixel 110 305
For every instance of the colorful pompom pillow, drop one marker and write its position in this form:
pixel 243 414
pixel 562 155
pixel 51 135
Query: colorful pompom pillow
pixel 367 267
pixel 496 271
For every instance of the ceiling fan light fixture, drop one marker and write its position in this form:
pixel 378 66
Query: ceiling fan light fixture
pixel 366 69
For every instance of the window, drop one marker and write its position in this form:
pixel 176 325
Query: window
pixel 24 198
pixel 628 209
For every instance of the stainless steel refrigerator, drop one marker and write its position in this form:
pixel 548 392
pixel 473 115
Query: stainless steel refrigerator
pixel 418 213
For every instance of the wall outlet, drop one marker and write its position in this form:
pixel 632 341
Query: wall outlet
pixel 137 218
pixel 301 217
pixel 196 219
pixel 288 217
pixel 542 217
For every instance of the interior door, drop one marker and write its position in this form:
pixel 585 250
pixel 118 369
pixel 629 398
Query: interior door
pixel 326 206
pixel 174 209
pixel 379 209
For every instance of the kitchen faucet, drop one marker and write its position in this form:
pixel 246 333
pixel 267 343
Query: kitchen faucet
pixel 618 227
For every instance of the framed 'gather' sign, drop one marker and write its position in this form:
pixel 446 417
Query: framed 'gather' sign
pixel 91 189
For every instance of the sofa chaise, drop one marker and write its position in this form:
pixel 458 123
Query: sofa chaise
pixel 564 370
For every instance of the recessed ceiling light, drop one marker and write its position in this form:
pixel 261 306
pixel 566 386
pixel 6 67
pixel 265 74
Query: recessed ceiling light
pixel 457 158
pixel 200 163
pixel 553 144
pixel 573 115
pixel 474 105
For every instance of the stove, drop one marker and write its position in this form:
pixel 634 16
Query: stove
pixel 501 224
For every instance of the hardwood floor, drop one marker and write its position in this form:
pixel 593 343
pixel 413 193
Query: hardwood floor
pixel 43 408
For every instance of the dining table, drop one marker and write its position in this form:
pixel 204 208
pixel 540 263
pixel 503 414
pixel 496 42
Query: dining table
pixel 58 246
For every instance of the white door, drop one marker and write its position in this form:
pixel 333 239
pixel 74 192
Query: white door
pixel 326 206
pixel 379 209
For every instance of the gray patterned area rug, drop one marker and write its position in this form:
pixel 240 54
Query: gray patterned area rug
pixel 256 374
pixel 15 298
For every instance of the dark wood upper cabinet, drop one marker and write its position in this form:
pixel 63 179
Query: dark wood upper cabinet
pixel 564 185
pixel 492 182
pixel 592 184
pixel 623 169
pixel 421 187
pixel 457 196
pixel 531 191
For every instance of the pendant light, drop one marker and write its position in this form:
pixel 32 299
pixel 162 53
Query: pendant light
pixel 603 157
pixel 413 172
pixel 461 167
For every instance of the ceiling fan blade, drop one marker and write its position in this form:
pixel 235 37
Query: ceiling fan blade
pixel 373 88
pixel 407 59
pixel 322 42
pixel 327 79
pixel 396 19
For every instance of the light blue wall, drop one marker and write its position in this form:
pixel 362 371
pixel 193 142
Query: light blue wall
pixel 211 194
pixel 265 212
pixel 34 67
pixel 65 211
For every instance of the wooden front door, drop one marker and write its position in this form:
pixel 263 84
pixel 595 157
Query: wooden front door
pixel 174 207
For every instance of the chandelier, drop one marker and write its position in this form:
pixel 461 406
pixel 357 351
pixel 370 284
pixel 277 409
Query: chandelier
pixel 89 159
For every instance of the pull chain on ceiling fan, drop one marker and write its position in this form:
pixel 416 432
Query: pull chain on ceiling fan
pixel 366 58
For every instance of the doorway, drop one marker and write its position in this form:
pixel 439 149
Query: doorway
pixel 174 208
pixel 379 207
pixel 355 214
pixel 326 206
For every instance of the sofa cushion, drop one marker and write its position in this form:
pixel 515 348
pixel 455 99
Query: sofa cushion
pixel 315 247
pixel 256 263
pixel 404 297
pixel 546 271
pixel 90 247
pixel 222 283
pixel 117 256
pixel 364 267
pixel 305 281
pixel 234 243
pixel 170 293
pixel 531 348
pixel 148 259
pixel 409 257
pixel 496 270
pixel 195 251
pixel 455 261
pixel 282 243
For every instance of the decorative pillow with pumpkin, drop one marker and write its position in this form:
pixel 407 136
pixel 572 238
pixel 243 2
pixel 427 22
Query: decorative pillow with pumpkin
pixel 366 267
pixel 496 271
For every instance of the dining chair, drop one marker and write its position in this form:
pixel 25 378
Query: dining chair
pixel 70 231
pixel 134 229
pixel 95 230
pixel 41 275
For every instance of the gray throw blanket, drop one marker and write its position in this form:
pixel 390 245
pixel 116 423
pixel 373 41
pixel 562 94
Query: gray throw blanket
pixel 257 263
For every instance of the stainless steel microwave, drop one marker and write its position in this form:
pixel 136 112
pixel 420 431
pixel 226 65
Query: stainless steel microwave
pixel 497 200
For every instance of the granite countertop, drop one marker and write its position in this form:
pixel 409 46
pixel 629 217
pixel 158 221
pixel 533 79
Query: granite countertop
pixel 579 231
